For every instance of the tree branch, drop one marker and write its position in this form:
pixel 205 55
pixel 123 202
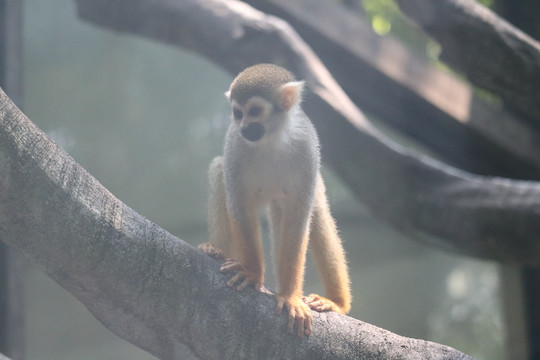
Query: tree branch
pixel 145 285
pixel 429 105
pixel 486 217
pixel 492 53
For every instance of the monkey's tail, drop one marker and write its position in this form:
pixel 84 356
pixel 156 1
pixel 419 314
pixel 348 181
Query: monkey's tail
pixel 328 252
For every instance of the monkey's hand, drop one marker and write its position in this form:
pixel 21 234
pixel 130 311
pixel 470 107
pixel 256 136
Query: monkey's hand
pixel 299 314
pixel 320 303
pixel 243 276
pixel 210 250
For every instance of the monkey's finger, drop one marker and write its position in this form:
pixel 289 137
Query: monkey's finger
pixel 230 266
pixel 322 306
pixel 316 304
pixel 300 322
pixel 228 262
pixel 279 306
pixel 260 288
pixel 292 318
pixel 224 268
pixel 234 280
pixel 265 290
pixel 243 285
pixel 309 325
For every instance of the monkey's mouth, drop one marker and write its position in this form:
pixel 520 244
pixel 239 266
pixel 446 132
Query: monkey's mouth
pixel 253 131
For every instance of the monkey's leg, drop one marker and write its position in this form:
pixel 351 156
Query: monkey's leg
pixel 221 238
pixel 329 257
pixel 290 231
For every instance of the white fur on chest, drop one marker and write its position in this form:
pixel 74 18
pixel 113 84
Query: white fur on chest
pixel 270 174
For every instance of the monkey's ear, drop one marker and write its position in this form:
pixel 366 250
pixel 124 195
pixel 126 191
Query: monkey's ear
pixel 228 94
pixel 290 94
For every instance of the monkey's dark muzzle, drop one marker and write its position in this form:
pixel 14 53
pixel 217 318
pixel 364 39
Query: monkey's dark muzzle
pixel 252 131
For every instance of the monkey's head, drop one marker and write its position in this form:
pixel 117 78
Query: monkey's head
pixel 261 97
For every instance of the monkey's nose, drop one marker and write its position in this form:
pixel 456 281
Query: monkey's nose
pixel 253 131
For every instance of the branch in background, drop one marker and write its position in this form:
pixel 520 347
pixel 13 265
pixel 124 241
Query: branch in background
pixel 492 53
pixel 479 216
pixel 400 89
pixel 145 285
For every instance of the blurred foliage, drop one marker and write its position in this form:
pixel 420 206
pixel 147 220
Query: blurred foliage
pixel 488 3
pixel 386 18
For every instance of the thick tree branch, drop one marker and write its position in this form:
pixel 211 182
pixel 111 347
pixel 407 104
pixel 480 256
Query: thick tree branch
pixel 145 285
pixel 487 217
pixel 492 53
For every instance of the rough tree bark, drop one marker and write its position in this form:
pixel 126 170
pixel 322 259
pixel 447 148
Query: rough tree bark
pixel 144 284
pixel 492 53
pixel 480 216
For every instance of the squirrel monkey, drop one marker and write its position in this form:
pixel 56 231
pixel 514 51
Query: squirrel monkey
pixel 271 161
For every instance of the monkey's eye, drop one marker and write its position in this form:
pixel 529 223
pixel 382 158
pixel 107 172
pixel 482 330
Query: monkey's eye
pixel 238 114
pixel 255 111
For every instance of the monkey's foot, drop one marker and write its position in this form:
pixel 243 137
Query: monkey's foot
pixel 299 314
pixel 243 276
pixel 320 303
pixel 210 250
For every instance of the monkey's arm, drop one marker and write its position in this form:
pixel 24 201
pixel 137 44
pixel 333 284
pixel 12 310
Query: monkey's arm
pixel 290 226
pixel 248 259
pixel 236 238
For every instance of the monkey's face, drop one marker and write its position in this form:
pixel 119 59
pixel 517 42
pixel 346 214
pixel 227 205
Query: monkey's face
pixel 256 118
